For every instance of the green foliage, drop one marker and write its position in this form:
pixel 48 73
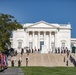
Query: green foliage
pixel 7 25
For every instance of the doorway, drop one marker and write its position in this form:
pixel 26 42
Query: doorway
pixel 41 43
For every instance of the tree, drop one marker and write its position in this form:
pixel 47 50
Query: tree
pixel 7 25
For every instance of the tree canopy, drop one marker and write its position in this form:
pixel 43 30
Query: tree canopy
pixel 7 24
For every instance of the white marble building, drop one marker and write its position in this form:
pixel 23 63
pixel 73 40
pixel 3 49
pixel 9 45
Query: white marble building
pixel 42 35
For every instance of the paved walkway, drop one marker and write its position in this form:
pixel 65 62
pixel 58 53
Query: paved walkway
pixel 12 71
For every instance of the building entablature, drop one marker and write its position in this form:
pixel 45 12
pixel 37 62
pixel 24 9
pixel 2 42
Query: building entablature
pixel 43 24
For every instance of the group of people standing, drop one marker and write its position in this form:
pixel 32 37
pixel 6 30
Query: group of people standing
pixel 32 50
pixel 61 50
pixel 22 51
pixel 20 59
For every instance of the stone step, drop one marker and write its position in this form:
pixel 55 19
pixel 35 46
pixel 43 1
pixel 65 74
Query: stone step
pixel 37 59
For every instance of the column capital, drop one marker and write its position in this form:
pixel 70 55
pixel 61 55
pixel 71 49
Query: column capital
pixel 55 32
pixel 33 31
pixel 50 31
pixel 38 31
pixel 44 32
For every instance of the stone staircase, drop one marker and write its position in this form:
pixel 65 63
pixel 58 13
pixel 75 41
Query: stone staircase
pixel 38 59
pixel 68 58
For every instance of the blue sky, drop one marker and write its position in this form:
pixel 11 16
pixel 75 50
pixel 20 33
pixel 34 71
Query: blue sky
pixel 52 11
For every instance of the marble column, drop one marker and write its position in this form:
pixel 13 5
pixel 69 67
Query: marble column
pixel 44 38
pixel 27 44
pixel 44 49
pixel 55 39
pixel 38 40
pixel 50 40
pixel 33 39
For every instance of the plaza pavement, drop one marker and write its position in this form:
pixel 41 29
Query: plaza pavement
pixel 12 71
